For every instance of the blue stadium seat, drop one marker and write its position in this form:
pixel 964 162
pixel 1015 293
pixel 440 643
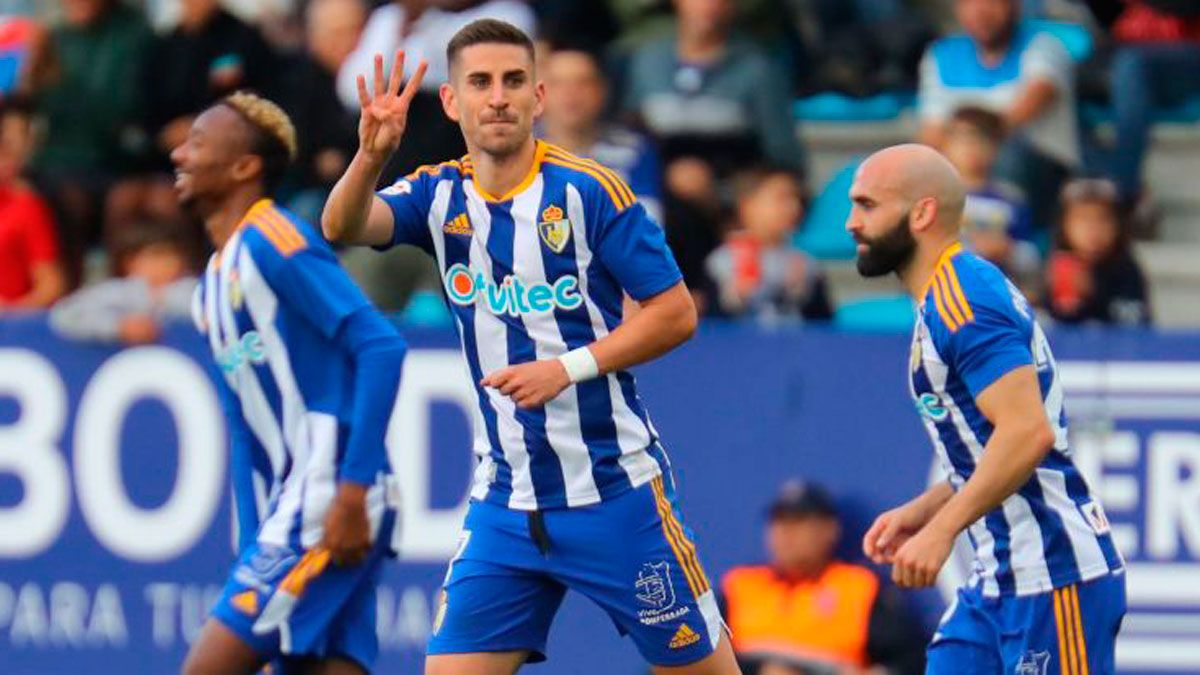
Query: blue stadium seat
pixel 1076 38
pixel 823 233
pixel 834 107
pixel 886 314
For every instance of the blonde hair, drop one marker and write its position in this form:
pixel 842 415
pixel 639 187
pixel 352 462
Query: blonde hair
pixel 266 117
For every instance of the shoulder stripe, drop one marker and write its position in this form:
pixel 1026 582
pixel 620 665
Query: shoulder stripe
pixel 616 179
pixel 619 184
pixel 941 308
pixel 285 225
pixel 433 169
pixel 948 298
pixel 957 290
pixel 285 239
pixel 618 202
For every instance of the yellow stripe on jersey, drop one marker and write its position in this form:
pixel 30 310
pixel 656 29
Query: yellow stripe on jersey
pixel 685 551
pixel 940 303
pixel 948 298
pixel 618 182
pixel 279 231
pixel 959 297
pixel 1080 640
pixel 1066 666
pixel 621 197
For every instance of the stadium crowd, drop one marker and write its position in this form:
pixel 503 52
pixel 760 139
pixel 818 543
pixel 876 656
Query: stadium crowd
pixel 691 100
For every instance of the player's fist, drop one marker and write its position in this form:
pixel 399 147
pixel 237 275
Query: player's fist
pixel 890 531
pixel 918 562
pixel 385 107
pixel 530 385
pixel 347 527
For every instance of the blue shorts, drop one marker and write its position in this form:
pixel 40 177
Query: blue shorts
pixel 630 555
pixel 333 613
pixel 1071 630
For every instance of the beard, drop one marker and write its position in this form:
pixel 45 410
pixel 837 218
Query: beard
pixel 890 252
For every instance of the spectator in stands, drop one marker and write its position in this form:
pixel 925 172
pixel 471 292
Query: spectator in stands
pixel 1023 75
pixel 807 613
pixel 1092 275
pixel 998 225
pixel 422 28
pixel 705 93
pixel 31 272
pixel 155 266
pixel 208 55
pixel 330 131
pixel 91 105
pixel 1156 63
pixel 756 272
pixel 576 92
pixel 23 42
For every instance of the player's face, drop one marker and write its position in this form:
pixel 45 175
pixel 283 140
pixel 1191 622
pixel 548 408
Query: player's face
pixel 494 97
pixel 575 90
pixel 879 223
pixel 204 162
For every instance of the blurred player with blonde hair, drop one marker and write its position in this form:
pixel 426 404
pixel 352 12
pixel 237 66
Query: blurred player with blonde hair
pixel 310 374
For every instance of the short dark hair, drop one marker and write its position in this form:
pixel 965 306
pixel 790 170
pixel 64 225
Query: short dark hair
pixel 487 31
pixel 748 181
pixel 985 122
pixel 128 241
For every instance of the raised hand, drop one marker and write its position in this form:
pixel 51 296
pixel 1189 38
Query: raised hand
pixel 385 113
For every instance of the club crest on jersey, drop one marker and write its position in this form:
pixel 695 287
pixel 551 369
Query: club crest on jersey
pixel 555 228
pixel 1033 663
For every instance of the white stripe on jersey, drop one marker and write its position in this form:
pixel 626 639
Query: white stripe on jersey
pixel 491 337
pixel 633 436
pixel 263 307
pixel 562 412
pixel 1088 555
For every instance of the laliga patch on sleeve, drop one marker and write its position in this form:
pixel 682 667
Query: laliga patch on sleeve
pixel 1094 513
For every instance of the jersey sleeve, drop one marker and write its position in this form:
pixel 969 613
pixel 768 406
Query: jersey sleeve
pixel 409 199
pixel 310 282
pixel 631 246
pixel 982 333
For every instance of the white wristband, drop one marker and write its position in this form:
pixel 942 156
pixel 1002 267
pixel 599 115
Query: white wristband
pixel 580 365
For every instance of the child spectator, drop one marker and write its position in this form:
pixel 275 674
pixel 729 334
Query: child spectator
pixel 997 223
pixel 155 265
pixel 1092 275
pixel 756 272
pixel 31 270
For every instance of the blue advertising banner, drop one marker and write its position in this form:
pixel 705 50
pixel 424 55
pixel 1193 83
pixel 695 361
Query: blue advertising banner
pixel 115 530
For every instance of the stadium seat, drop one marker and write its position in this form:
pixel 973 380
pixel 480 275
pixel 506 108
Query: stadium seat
pixel 834 107
pixel 1076 38
pixel 887 314
pixel 823 233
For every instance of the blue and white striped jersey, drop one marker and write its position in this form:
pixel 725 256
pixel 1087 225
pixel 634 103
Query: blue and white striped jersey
pixel 270 303
pixel 530 275
pixel 973 327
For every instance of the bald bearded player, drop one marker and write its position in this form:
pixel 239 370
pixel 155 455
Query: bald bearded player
pixel 1048 591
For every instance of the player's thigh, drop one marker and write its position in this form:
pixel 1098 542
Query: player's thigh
pixel 652 586
pixel 219 651
pixel 721 662
pixel 493 663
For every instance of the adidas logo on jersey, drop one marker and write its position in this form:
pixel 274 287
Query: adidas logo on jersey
pixel 460 224
pixel 684 637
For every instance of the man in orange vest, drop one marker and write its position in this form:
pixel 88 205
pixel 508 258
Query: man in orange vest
pixel 806 613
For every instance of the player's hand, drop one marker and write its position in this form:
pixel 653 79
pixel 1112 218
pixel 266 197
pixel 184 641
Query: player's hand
pixel 917 563
pixel 890 531
pixel 530 385
pixel 347 528
pixel 385 112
